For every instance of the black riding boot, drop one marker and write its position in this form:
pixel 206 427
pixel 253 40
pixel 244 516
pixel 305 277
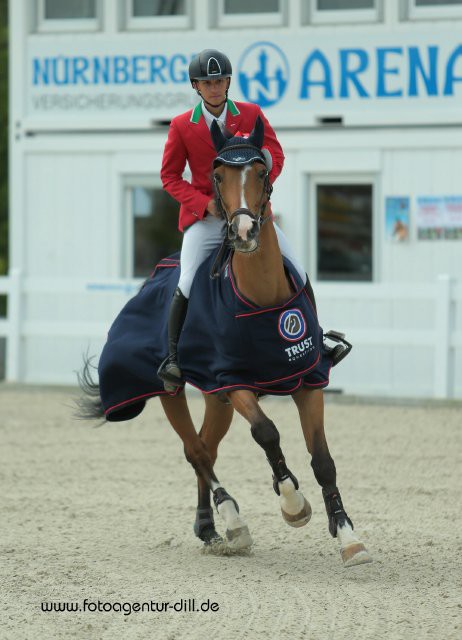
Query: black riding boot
pixel 169 371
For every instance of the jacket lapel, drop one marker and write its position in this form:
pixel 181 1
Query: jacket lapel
pixel 197 121
pixel 233 117
pixel 199 126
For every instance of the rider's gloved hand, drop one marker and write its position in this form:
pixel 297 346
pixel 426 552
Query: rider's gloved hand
pixel 212 209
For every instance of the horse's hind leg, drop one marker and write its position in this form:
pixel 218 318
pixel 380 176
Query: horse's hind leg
pixel 310 405
pixel 177 411
pixel 295 509
pixel 214 428
pixel 217 420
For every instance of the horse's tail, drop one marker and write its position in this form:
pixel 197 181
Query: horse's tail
pixel 89 405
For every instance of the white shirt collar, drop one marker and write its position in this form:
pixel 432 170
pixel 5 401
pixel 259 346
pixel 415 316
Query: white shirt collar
pixel 209 117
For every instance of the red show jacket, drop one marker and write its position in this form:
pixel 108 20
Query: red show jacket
pixel 189 140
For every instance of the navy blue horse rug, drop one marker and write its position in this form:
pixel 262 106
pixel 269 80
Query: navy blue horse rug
pixel 227 342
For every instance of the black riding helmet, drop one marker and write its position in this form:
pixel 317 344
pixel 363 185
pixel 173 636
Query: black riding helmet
pixel 210 64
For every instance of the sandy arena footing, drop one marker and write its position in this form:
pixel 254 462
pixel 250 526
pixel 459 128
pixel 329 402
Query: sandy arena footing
pixel 105 516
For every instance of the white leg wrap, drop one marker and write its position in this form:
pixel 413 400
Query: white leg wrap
pixel 346 535
pixel 295 508
pixel 228 512
pixel 237 531
pixel 291 500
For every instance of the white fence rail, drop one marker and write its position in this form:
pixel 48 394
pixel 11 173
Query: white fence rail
pixel 444 297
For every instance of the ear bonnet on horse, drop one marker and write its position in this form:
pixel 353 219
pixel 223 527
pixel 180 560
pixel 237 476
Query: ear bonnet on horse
pixel 239 151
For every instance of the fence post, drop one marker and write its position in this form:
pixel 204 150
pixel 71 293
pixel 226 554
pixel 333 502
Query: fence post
pixel 442 381
pixel 13 344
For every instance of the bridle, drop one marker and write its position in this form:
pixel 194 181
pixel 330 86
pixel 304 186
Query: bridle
pixel 267 190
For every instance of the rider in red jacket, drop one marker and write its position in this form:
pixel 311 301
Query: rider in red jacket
pixel 189 141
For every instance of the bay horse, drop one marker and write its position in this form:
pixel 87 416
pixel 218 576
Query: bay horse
pixel 261 280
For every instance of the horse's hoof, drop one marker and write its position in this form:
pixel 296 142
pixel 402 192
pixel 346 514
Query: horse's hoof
pixel 209 536
pixel 301 518
pixel 215 538
pixel 354 554
pixel 295 508
pixel 239 538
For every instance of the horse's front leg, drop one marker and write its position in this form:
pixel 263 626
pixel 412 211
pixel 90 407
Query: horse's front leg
pixel 295 509
pixel 198 455
pixel 217 420
pixel 310 405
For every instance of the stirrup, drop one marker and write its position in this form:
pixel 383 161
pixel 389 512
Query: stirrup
pixel 341 350
pixel 169 372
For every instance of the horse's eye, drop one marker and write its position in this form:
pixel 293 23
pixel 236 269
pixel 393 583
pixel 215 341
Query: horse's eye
pixel 217 177
pixel 262 173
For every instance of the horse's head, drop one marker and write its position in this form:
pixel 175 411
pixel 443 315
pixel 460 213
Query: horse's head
pixel 242 187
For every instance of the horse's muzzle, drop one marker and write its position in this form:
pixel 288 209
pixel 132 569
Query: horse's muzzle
pixel 243 231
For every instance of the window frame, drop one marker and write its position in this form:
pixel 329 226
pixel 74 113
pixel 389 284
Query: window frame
pixel 320 179
pixel 433 13
pixel 52 25
pixel 252 20
pixel 157 23
pixel 129 181
pixel 314 16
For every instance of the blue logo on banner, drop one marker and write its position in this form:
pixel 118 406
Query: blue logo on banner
pixel 292 325
pixel 263 74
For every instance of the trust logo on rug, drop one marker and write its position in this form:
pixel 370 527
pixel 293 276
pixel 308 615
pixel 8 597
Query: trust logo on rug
pixel 292 325
pixel 300 350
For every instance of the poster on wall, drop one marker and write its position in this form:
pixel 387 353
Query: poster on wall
pixel 453 217
pixel 397 218
pixel 439 217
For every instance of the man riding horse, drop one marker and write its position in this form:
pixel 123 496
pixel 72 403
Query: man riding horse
pixel 252 330
pixel 203 225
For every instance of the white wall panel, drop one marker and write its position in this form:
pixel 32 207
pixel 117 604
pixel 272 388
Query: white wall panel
pixel 56 360
pixel 420 172
pixel 68 215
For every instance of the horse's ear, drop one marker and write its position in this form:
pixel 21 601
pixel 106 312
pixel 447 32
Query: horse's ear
pixel 218 138
pixel 258 133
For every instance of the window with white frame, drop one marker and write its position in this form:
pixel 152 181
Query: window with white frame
pixel 251 13
pixel 68 15
pixel 344 231
pixel 151 232
pixel 434 9
pixel 342 11
pixel 158 14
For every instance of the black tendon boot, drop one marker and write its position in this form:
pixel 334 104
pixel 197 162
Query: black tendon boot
pixel 169 371
pixel 335 512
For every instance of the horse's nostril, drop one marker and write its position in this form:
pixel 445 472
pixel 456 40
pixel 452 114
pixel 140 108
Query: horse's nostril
pixel 232 231
pixel 253 231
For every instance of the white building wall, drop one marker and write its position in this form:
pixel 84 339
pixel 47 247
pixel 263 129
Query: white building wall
pixel 68 220
pixel 68 214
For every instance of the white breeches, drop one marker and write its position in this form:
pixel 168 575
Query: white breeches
pixel 201 238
